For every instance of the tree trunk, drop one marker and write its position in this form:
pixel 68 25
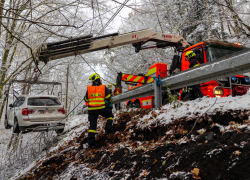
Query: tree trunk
pixel 67 88
pixel 1 14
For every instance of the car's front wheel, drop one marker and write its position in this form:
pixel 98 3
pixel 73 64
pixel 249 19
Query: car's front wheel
pixel 6 124
pixel 16 126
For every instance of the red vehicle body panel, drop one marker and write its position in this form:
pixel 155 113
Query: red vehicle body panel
pixel 154 71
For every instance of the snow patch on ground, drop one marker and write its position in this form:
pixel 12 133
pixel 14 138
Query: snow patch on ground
pixel 191 109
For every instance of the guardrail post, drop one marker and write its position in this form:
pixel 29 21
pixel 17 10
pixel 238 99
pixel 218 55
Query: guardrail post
pixel 157 92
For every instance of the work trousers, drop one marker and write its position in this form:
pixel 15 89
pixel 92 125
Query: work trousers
pixel 196 92
pixel 93 124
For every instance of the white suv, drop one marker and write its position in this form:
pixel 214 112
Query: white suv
pixel 35 113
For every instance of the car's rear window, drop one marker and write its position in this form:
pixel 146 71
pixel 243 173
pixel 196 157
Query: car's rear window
pixel 43 101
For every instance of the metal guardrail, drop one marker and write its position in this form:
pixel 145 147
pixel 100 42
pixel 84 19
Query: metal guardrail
pixel 237 63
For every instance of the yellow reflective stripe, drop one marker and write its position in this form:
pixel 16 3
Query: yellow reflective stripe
pixel 110 118
pixel 91 103
pixel 96 99
pixel 86 99
pixel 92 131
pixel 146 100
pixel 150 80
pixel 151 71
pixel 136 79
pixel 123 75
pixel 196 65
pixel 107 96
pixel 95 108
pixel 129 77
pixel 95 94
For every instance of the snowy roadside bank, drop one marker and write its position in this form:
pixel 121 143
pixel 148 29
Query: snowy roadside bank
pixel 156 144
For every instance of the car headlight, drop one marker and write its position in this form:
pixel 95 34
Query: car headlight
pixel 247 79
pixel 233 78
pixel 218 92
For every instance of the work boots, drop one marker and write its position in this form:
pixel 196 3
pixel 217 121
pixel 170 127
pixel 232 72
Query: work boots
pixel 108 127
pixel 91 140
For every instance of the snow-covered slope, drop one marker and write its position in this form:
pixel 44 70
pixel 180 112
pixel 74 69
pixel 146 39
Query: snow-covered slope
pixel 206 138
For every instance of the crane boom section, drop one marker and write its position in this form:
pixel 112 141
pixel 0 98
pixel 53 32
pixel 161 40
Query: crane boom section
pixel 74 46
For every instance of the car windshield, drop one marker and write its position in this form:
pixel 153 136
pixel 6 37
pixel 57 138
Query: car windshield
pixel 43 101
pixel 215 52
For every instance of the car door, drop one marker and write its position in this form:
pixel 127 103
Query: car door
pixel 17 108
pixel 11 113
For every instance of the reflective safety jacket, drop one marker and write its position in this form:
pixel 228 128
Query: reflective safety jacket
pixel 96 96
pixel 194 63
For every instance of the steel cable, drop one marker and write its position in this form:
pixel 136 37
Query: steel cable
pixel 111 19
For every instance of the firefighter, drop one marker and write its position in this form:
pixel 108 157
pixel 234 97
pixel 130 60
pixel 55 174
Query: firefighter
pixel 116 92
pixel 196 91
pixel 96 96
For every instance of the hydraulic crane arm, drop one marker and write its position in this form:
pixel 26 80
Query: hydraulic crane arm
pixel 51 51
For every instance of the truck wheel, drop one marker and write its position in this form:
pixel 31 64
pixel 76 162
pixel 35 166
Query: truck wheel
pixel 16 126
pixel 137 105
pixel 166 101
pixel 6 124
pixel 129 105
pixel 187 97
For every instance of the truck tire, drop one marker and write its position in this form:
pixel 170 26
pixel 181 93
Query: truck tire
pixel 165 101
pixel 6 124
pixel 16 126
pixel 137 105
pixel 187 97
pixel 130 105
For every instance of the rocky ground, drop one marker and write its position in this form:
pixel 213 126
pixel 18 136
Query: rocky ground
pixel 206 146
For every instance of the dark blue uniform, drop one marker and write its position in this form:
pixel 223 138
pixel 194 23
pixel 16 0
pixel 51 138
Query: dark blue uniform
pixel 196 91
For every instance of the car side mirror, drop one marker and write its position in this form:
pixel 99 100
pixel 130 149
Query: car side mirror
pixel 11 105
